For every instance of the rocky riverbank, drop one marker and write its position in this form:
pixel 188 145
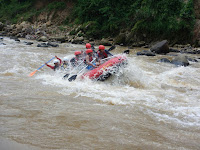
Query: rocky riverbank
pixel 51 35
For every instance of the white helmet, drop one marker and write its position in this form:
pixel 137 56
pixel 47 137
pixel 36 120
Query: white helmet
pixel 55 61
pixel 65 59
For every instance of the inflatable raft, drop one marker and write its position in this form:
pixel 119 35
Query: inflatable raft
pixel 106 69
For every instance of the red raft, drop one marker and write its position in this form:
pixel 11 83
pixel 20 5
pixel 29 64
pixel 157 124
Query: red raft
pixel 106 69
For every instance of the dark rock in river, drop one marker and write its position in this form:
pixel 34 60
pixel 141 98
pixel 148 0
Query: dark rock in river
pixel 146 53
pixel 29 43
pixel 160 47
pixel 52 44
pixel 180 60
pixel 192 60
pixel 165 60
pixel 42 45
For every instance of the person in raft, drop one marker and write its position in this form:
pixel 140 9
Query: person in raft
pixel 56 64
pixel 103 53
pixel 89 60
pixel 87 46
pixel 75 61
pixel 65 63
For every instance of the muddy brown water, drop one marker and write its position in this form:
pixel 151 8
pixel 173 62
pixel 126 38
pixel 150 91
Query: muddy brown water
pixel 147 105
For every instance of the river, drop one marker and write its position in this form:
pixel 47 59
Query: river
pixel 147 105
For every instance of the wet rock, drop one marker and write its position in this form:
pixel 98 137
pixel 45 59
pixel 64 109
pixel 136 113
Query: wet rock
pixel 29 43
pixel 2 43
pixel 78 40
pixel 138 44
pixel 174 50
pixel 180 60
pixel 3 33
pixel 165 60
pixel 160 47
pixel 17 40
pixel 192 60
pixel 43 39
pixel 61 39
pixel 42 45
pixel 52 44
pixel 146 53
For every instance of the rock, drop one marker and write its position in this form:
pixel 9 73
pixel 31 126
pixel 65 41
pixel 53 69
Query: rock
pixel 138 44
pixel 29 43
pixel 120 39
pixel 61 39
pixel 192 60
pixel 105 42
pixel 42 45
pixel 147 53
pixel 78 40
pixel 17 40
pixel 174 50
pixel 1 26
pixel 2 43
pixel 180 60
pixel 164 60
pixel 160 47
pixel 52 44
pixel 43 39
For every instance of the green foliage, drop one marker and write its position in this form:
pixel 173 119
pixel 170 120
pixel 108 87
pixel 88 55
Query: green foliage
pixel 61 28
pixel 169 19
pixel 56 5
pixel 161 18
pixel 13 10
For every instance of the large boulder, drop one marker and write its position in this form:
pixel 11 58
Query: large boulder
pixel 161 47
pixel 180 60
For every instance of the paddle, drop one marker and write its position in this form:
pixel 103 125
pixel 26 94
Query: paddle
pixel 65 76
pixel 32 73
pixel 112 47
pixel 126 51
pixel 72 78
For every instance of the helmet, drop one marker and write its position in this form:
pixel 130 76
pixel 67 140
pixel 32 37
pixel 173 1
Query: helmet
pixel 55 61
pixel 77 53
pixel 101 47
pixel 65 59
pixel 88 45
pixel 89 51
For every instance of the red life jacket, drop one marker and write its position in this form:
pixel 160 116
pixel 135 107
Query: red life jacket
pixel 102 55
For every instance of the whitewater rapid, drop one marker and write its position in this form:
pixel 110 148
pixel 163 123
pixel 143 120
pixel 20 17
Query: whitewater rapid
pixel 160 98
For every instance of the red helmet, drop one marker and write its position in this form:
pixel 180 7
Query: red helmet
pixel 77 53
pixel 88 45
pixel 101 47
pixel 89 51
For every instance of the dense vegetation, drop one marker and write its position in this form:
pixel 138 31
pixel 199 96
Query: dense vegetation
pixel 169 19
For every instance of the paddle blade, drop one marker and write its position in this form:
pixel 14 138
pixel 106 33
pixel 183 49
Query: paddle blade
pixel 111 48
pixel 32 73
pixel 72 78
pixel 65 76
pixel 127 51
